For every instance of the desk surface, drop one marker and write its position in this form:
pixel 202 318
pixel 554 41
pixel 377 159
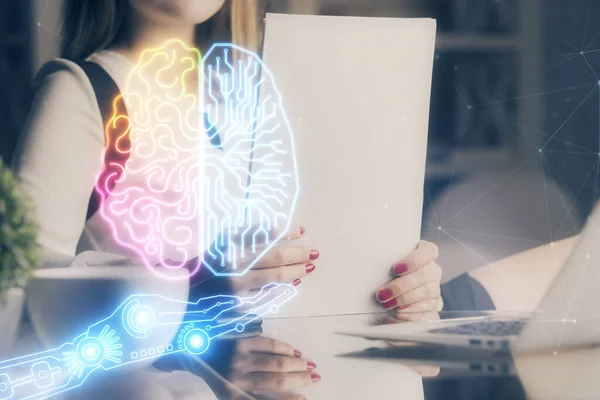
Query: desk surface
pixel 354 368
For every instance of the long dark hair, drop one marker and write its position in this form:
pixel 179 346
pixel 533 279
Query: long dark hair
pixel 92 25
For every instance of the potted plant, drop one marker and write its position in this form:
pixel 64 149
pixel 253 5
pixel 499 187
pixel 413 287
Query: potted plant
pixel 19 255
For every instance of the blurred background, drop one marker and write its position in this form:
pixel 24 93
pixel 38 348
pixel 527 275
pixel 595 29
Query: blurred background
pixel 514 151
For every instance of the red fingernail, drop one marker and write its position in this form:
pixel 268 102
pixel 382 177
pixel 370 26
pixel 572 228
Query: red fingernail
pixel 296 282
pixel 315 377
pixel 297 353
pixel 311 365
pixel 390 304
pixel 314 254
pixel 385 295
pixel 400 269
pixel 302 230
pixel 402 307
pixel 310 268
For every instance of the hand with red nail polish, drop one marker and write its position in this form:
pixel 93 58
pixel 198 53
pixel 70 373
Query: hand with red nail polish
pixel 264 364
pixel 286 262
pixel 416 288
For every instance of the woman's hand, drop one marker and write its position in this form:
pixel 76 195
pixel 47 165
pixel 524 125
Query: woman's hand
pixel 264 364
pixel 284 263
pixel 417 286
pixel 237 369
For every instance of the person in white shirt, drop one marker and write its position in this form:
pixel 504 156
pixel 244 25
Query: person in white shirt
pixel 59 155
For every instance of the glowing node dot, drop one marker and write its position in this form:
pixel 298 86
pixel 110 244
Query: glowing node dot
pixel 598 83
pixel 196 341
pixel 469 107
pixel 142 318
pixel 581 52
pixel 43 374
pixel 551 244
pixel 3 387
pixel 90 352
pixel 239 328
pixel 555 353
pixel 539 150
pixel 274 309
pixel 439 228
pixel 385 206
pixel 587 256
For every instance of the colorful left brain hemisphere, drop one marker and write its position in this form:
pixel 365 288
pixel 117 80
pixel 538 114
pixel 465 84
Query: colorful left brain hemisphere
pixel 207 174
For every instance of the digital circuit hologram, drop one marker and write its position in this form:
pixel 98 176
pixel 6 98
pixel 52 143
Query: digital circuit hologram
pixel 129 335
pixel 251 189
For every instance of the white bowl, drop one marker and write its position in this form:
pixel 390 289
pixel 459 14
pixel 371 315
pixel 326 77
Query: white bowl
pixel 64 302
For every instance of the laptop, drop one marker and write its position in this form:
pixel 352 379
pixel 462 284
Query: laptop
pixel 567 317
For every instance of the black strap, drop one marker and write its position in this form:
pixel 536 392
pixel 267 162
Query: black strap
pixel 106 90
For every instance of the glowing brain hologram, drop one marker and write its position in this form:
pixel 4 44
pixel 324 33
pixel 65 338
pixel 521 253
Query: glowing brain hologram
pixel 209 173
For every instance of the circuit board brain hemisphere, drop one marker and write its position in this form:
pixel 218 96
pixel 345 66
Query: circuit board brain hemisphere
pixel 211 174
pixel 252 186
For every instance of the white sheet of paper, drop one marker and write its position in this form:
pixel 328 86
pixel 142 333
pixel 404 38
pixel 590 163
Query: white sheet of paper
pixel 356 92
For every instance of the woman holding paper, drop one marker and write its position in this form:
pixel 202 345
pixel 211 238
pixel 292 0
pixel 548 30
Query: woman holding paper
pixel 64 138
pixel 64 129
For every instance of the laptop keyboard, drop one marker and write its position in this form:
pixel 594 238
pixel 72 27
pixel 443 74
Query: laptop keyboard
pixel 485 328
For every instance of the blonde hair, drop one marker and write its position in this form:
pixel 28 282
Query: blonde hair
pixel 92 25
